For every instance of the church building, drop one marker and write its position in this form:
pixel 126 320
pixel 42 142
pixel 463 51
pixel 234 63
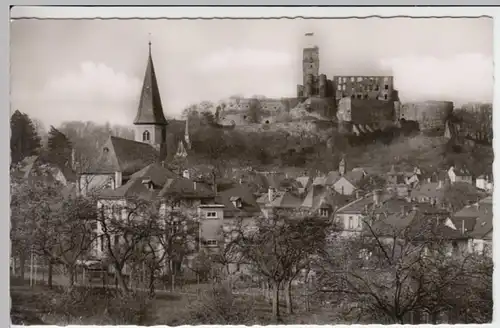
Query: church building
pixel 119 157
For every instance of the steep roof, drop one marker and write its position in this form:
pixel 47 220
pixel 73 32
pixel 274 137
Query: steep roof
pixel 354 177
pixel 35 168
pixel 428 189
pixel 156 173
pixel 248 207
pixel 280 199
pixel 304 181
pixel 323 197
pixel 150 109
pixel 185 188
pixel 332 177
pixel 478 218
pixel 134 188
pixel 124 155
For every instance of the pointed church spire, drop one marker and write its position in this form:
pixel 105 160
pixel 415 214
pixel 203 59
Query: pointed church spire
pixel 342 166
pixel 186 133
pixel 150 109
pixel 181 150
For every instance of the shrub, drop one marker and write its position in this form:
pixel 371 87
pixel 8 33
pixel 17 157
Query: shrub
pixel 219 306
pixel 101 306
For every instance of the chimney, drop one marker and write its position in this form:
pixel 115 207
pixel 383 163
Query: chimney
pixel 118 179
pixel 463 227
pixel 440 184
pixel 376 197
pixel 73 158
pixel 194 185
pixel 270 193
pixel 214 183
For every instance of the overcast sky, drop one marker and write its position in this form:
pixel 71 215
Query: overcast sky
pixel 93 69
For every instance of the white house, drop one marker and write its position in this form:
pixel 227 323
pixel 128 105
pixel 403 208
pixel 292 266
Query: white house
pixel 459 174
pixel 484 182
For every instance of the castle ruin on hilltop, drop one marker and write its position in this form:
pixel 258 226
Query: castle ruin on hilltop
pixel 360 104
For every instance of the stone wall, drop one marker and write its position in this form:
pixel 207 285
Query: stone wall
pixel 430 115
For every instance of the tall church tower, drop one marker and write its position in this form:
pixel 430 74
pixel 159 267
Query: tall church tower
pixel 150 122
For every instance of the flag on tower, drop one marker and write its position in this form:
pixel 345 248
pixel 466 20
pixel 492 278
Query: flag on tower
pixel 309 34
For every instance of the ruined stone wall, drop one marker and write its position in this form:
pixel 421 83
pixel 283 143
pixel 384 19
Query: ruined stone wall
pixel 430 115
pixel 365 111
pixel 364 87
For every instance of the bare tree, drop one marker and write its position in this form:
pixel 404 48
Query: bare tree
pixel 124 226
pixel 276 247
pixel 397 267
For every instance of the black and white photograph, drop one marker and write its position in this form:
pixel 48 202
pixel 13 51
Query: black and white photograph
pixel 225 171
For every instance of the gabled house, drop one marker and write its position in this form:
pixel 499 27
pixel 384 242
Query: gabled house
pixel 238 200
pixel 476 222
pixel 35 168
pixel 278 200
pixel 484 182
pixel 459 174
pixel 323 201
pixel 304 183
pixel 378 204
pixel 349 182
pixel 429 192
pixel 119 159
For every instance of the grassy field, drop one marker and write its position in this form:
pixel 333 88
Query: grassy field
pixel 103 306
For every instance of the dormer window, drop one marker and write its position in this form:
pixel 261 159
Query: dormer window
pixel 236 201
pixel 105 150
pixel 147 183
pixel 146 136
pixel 323 212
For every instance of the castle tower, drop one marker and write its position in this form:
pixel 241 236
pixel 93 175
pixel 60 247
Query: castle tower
pixel 150 122
pixel 310 65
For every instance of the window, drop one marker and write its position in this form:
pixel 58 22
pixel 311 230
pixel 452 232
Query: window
pixel 343 87
pixel 352 79
pixel 105 149
pixel 386 87
pixel 93 226
pixel 211 214
pixel 385 97
pixel 323 212
pixel 339 87
pixel 351 222
pixel 146 136
pixel 210 242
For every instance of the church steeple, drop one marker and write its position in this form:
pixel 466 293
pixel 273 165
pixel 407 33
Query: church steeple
pixel 186 133
pixel 150 110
